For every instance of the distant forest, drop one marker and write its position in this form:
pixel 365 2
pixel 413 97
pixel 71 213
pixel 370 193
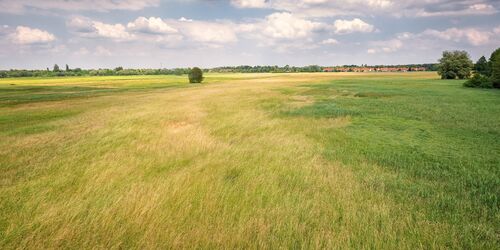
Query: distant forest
pixel 67 71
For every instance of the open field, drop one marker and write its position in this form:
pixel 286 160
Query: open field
pixel 325 160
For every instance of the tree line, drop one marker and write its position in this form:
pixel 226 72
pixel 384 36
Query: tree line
pixel 482 74
pixel 120 71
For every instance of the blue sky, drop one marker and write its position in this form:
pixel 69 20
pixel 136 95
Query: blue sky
pixel 209 33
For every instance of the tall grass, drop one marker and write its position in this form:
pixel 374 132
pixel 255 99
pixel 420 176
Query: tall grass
pixel 248 161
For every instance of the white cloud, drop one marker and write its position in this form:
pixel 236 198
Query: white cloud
pixel 27 35
pixel 436 40
pixel 89 28
pixel 283 31
pixel 19 6
pixel 330 41
pixel 473 36
pixel 250 3
pixel 114 31
pixel 287 26
pixel 183 19
pixel 208 32
pixel 151 25
pixel 371 51
pixel 355 25
pixel 81 24
pixel 474 9
pixel 327 8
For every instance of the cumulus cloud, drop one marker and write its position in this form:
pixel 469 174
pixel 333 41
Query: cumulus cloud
pixel 467 10
pixel 330 41
pixel 283 31
pixel 90 28
pixel 286 26
pixel 154 29
pixel 325 8
pixel 20 6
pixel 183 19
pixel 250 3
pixel 81 24
pixel 471 35
pixel 153 25
pixel 350 26
pixel 27 35
pixel 114 31
pixel 208 32
pixel 431 40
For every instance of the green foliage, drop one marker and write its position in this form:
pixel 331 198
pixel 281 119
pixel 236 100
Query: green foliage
pixel 56 68
pixel 495 68
pixel 455 64
pixel 196 75
pixel 481 66
pixel 478 81
pixel 67 68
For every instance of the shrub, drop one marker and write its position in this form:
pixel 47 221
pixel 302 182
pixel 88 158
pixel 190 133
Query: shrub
pixel 196 75
pixel 478 81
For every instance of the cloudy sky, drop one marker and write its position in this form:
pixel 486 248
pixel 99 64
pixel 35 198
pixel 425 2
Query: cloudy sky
pixel 35 34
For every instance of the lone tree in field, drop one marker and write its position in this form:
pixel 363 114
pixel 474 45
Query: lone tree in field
pixel 494 66
pixel 56 68
pixel 455 64
pixel 196 75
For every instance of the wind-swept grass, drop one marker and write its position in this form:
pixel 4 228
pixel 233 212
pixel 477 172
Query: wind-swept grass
pixel 249 160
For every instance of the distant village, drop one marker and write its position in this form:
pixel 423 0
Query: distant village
pixel 374 69
pixel 317 68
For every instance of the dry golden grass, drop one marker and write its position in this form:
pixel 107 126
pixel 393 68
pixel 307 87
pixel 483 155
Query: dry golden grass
pixel 209 166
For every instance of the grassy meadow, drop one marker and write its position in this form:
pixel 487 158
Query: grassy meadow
pixel 313 160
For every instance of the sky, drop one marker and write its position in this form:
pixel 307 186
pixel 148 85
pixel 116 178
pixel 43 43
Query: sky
pixel 36 34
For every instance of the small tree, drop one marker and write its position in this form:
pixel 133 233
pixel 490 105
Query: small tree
pixel 196 75
pixel 56 68
pixel 481 66
pixel 495 68
pixel 455 64
pixel 67 67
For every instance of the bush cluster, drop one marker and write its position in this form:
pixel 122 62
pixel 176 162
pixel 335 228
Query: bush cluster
pixel 478 81
pixel 487 73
